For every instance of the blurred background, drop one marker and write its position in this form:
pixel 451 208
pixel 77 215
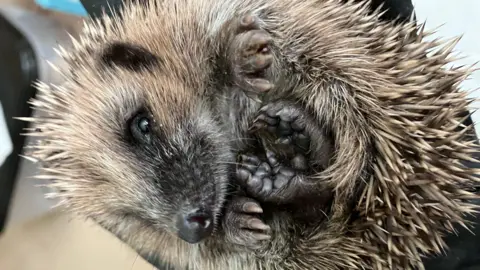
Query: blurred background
pixel 32 236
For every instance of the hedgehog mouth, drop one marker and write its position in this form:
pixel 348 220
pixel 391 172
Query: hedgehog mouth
pixel 194 226
pixel 196 223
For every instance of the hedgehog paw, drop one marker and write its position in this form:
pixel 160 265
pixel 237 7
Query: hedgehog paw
pixel 272 181
pixel 242 225
pixel 289 126
pixel 252 56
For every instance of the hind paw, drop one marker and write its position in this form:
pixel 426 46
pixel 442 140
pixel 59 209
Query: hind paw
pixel 288 125
pixel 291 131
pixel 252 56
pixel 242 224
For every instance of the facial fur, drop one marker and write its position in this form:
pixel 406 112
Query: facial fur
pixel 154 177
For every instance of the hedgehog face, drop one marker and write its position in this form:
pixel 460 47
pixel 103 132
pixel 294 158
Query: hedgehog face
pixel 144 148
pixel 183 170
pixel 179 165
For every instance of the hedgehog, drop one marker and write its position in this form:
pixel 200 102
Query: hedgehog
pixel 160 99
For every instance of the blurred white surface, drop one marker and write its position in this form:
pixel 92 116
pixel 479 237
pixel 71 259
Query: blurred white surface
pixel 44 34
pixel 453 18
pixel 6 145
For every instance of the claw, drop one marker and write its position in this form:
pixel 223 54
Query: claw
pixel 287 115
pixel 252 208
pixel 261 85
pixel 258 42
pixel 284 140
pixel 257 126
pixel 247 21
pixel 244 228
pixel 271 121
pixel 258 63
pixel 261 236
pixel 257 224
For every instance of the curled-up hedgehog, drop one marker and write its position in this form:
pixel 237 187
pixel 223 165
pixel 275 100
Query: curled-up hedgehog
pixel 360 120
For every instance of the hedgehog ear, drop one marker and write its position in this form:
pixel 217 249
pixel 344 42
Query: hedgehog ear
pixel 128 56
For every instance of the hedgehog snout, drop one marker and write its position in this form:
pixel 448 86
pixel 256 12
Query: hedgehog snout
pixel 195 225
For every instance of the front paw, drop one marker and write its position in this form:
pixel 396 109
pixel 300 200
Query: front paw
pixel 242 225
pixel 272 180
pixel 251 55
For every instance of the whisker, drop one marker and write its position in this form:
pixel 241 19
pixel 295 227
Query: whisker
pixel 325 214
pixel 229 163
pixel 134 261
pixel 238 139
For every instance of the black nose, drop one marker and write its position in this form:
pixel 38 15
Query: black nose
pixel 194 226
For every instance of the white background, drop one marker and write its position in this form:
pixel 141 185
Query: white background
pixel 453 18
pixel 6 146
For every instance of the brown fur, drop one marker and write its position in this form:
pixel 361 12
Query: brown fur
pixel 396 114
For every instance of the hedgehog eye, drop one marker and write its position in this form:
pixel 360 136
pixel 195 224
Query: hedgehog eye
pixel 140 128
pixel 144 125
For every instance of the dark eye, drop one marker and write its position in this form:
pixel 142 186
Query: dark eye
pixel 144 125
pixel 140 128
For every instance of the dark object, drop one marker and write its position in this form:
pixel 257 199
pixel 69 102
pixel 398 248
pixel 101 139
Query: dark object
pixel 463 253
pixel 18 70
pixel 464 248
pixel 401 9
pixel 95 8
